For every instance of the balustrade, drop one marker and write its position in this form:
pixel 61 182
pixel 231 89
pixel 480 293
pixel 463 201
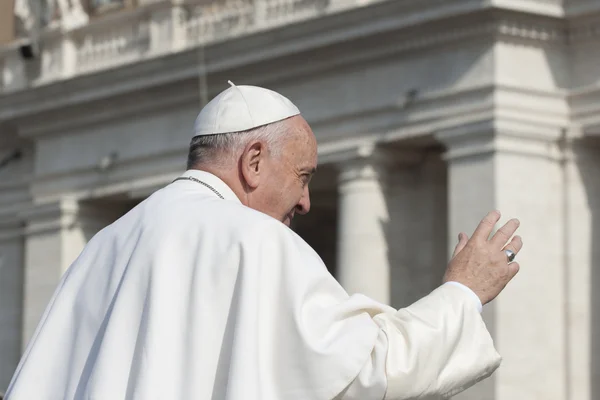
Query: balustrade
pixel 155 27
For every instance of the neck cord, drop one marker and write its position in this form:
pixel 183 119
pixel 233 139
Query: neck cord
pixel 191 178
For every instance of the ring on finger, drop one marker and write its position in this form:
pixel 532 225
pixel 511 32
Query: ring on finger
pixel 510 255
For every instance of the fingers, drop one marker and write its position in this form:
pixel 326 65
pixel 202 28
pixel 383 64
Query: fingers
pixel 515 245
pixel 485 227
pixel 505 233
pixel 462 242
pixel 513 269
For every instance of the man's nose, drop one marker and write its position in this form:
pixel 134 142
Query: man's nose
pixel 303 206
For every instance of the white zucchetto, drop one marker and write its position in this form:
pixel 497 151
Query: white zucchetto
pixel 240 108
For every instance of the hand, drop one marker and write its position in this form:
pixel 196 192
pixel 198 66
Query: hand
pixel 481 263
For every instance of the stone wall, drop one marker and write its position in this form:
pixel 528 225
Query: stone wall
pixel 7 26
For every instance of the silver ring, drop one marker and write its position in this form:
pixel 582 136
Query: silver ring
pixel 510 255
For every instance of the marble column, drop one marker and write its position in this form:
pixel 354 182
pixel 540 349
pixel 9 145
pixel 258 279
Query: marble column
pixel 582 267
pixel 362 253
pixel 55 234
pixel 391 223
pixel 519 172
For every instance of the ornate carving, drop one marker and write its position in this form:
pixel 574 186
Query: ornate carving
pixel 31 15
pixel 196 22
pixel 72 13
pixel 531 31
pixel 24 18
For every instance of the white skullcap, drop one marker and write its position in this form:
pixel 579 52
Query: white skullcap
pixel 240 108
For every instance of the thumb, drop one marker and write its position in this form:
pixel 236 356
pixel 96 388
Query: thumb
pixel 462 242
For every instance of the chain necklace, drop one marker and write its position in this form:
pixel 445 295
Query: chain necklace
pixel 191 178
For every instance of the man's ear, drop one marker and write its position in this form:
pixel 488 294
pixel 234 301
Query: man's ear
pixel 252 161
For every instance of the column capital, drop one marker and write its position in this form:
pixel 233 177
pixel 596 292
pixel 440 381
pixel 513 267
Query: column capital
pixel 64 213
pixel 502 135
pixel 355 158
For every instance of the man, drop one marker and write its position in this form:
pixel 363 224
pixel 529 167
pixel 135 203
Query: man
pixel 203 292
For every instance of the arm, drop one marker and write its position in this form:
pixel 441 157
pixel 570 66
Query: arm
pixel 440 345
pixel 437 346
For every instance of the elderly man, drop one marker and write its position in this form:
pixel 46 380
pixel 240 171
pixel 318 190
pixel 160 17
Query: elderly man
pixel 203 292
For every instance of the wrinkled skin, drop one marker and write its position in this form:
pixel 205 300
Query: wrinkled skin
pixel 275 184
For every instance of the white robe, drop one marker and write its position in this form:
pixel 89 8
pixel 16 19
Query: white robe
pixel 189 296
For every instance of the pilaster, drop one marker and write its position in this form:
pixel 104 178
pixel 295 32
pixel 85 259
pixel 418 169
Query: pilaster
pixel 581 179
pixel 517 169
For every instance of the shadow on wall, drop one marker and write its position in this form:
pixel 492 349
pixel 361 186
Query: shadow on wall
pixel 417 228
pixel 416 232
pixel 589 170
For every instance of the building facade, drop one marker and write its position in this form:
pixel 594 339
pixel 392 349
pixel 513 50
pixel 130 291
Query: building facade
pixel 428 113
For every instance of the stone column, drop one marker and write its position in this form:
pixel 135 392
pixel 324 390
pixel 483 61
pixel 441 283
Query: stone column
pixel 362 254
pixel 391 223
pixel 582 266
pixel 161 30
pixel 519 172
pixel 55 235
pixel 178 25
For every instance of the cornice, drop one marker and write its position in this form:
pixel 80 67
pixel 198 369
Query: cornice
pixel 551 8
pixel 592 130
pixel 534 30
pixel 365 150
pixel 342 139
pixel 133 179
pixel 248 49
pixel 64 213
pixel 347 31
pixel 502 136
pixel 581 8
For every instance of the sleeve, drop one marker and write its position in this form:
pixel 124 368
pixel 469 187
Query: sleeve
pixel 471 293
pixel 437 346
pixel 323 344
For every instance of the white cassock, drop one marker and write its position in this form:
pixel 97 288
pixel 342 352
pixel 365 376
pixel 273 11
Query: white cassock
pixel 189 296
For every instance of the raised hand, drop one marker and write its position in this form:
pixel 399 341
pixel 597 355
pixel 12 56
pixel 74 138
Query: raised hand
pixel 481 262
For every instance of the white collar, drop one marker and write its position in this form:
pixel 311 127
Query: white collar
pixel 213 181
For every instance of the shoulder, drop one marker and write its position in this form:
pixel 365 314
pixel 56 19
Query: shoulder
pixel 196 210
pixel 200 218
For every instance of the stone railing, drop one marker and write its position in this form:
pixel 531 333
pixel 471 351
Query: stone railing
pixel 155 27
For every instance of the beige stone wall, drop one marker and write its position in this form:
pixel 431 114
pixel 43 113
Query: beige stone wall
pixel 7 25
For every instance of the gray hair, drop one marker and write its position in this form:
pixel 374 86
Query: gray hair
pixel 221 149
